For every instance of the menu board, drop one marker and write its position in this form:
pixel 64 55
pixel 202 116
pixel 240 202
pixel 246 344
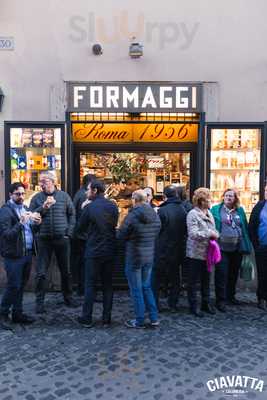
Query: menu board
pixel 33 151
pixel 235 163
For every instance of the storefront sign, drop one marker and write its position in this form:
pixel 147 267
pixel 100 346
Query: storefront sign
pixel 127 132
pixel 134 97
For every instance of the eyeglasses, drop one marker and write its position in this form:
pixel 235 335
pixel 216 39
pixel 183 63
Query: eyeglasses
pixel 19 193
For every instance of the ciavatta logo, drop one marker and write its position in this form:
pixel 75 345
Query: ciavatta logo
pixel 235 384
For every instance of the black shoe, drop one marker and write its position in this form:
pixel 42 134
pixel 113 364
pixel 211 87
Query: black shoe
pixel 70 302
pixel 233 301
pixel 262 305
pixel 22 319
pixel 221 307
pixel 40 309
pixel 208 309
pixel 197 313
pixel 106 324
pixel 87 323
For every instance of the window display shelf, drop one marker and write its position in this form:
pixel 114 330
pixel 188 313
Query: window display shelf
pixel 234 169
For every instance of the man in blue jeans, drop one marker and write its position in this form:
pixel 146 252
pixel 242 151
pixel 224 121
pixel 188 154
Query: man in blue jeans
pixel 17 245
pixel 140 230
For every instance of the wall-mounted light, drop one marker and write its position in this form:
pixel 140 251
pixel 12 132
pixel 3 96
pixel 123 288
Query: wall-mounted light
pixel 97 49
pixel 2 96
pixel 135 49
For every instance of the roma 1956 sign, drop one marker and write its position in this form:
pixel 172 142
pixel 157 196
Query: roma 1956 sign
pixel 134 97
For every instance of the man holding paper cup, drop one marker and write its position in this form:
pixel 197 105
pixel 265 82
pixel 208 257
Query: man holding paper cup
pixel 17 248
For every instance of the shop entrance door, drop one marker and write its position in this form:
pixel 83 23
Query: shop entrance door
pixel 124 172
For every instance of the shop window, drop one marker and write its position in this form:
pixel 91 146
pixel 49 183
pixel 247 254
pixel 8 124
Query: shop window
pixel 235 163
pixel 33 151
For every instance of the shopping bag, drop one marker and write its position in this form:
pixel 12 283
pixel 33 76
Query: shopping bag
pixel 247 270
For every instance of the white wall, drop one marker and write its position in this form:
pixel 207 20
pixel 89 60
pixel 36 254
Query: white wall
pixel 228 47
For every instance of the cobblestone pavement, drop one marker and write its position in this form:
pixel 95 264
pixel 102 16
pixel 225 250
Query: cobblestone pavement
pixel 55 358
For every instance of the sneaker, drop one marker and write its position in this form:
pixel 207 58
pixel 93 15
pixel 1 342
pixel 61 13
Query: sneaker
pixel 154 323
pixel 70 302
pixel 22 319
pixel 87 323
pixel 132 323
pixel 40 309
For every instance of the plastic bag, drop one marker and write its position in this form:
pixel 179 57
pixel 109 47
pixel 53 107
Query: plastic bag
pixel 247 270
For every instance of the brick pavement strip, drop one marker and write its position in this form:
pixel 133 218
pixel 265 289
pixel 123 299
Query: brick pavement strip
pixel 55 358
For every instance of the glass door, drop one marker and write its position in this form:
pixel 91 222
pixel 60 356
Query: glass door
pixel 235 163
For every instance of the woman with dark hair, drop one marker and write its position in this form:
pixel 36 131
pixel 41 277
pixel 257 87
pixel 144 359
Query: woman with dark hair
pixel 231 223
pixel 181 194
pixel 79 240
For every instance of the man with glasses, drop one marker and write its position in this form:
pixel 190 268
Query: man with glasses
pixel 17 246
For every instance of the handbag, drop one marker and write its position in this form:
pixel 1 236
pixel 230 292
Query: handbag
pixel 247 270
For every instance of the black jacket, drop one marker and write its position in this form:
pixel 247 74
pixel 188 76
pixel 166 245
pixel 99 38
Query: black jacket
pixel 172 237
pixel 78 199
pixel 254 222
pixel 140 230
pixel 12 236
pixel 59 219
pixel 99 220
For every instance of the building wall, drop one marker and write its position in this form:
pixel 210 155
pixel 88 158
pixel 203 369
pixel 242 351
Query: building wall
pixel 222 43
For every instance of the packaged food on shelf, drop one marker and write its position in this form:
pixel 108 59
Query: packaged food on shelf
pixel 37 138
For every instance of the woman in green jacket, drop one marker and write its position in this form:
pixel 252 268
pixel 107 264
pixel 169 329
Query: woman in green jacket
pixel 231 222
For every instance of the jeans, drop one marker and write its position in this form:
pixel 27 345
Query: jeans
pixel 198 273
pixel 94 267
pixel 139 280
pixel 18 273
pixel 77 264
pixel 261 262
pixel 226 275
pixel 170 269
pixel 46 247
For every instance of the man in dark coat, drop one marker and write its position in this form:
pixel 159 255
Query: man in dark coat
pixel 79 240
pixel 58 221
pixel 139 230
pixel 17 248
pixel 170 247
pixel 98 220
